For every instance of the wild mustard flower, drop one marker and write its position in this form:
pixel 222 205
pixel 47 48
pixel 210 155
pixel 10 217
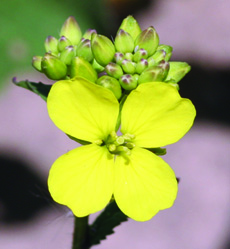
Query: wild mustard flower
pixel 116 166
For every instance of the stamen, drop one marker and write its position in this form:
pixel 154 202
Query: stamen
pixel 112 147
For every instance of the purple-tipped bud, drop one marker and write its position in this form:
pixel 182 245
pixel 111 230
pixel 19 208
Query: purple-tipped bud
pixel 111 84
pixel 130 25
pixel 88 33
pixel 128 66
pixel 141 66
pixel 36 63
pixel 103 49
pixel 51 45
pixel 82 68
pixel 168 50
pixel 67 55
pixel 114 70
pixel 128 82
pixel 63 42
pixel 53 67
pixel 157 57
pixel 140 54
pixel 124 42
pixel 148 39
pixel 153 74
pixel 84 50
pixel 118 57
pixel 71 30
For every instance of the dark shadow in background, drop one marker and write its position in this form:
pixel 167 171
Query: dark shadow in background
pixel 22 192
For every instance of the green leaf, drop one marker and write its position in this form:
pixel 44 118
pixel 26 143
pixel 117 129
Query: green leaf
pixel 105 223
pixel 39 88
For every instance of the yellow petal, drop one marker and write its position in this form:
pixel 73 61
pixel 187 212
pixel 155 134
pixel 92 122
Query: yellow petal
pixel 144 184
pixel 82 179
pixel 157 115
pixel 83 109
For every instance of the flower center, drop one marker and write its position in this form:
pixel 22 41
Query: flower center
pixel 120 144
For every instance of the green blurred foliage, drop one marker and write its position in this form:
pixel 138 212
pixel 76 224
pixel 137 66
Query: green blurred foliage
pixel 24 26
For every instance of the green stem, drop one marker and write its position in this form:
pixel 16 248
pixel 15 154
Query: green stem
pixel 80 233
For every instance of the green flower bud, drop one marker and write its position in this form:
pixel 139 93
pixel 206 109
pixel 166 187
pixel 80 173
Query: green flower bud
pixel 158 56
pixel 71 30
pixel 168 50
pixel 97 66
pixel 67 55
pixel 63 42
pixel 141 66
pixel 111 84
pixel 36 63
pixel 128 56
pixel 131 26
pixel 128 66
pixel 82 68
pixel 53 67
pixel 103 49
pixel 119 57
pixel 88 33
pixel 84 50
pixel 164 65
pixel 151 74
pixel 140 54
pixel 51 45
pixel 148 40
pixel 124 42
pixel 128 82
pixel 114 70
pixel 177 70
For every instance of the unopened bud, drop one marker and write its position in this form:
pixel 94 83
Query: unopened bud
pixel 103 49
pixel 158 56
pixel 168 50
pixel 84 50
pixel 124 42
pixel 141 66
pixel 88 33
pixel 128 56
pixel 140 54
pixel 151 74
pixel 114 70
pixel 177 70
pixel 63 42
pixel 130 25
pixel 53 67
pixel 148 39
pixel 128 66
pixel 36 63
pixel 67 55
pixel 128 82
pixel 119 57
pixel 111 84
pixel 51 45
pixel 71 30
pixel 82 68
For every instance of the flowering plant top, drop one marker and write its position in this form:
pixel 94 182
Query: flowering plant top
pixel 119 99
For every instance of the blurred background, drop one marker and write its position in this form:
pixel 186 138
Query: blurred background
pixel 198 30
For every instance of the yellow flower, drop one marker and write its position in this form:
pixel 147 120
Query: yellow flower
pixel 86 178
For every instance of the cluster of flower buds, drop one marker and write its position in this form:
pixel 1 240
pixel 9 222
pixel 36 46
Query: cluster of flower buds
pixel 135 57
